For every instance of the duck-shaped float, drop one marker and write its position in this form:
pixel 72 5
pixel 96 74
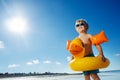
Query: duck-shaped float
pixel 81 63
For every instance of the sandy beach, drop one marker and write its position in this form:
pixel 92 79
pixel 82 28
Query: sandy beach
pixel 66 77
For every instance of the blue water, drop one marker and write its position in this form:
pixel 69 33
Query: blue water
pixel 103 76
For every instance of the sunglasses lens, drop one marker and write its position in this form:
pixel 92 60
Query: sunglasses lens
pixel 77 25
pixel 81 24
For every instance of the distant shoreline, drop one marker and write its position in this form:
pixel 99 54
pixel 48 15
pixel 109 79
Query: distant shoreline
pixel 46 74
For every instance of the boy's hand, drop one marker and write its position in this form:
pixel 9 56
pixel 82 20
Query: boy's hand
pixel 102 57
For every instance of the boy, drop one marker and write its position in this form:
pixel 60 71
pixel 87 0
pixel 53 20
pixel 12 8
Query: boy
pixel 81 27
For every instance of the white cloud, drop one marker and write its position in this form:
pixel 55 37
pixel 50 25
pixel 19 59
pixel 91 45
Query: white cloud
pixel 58 63
pixel 36 61
pixel 13 65
pixel 118 54
pixel 29 63
pixel 68 58
pixel 47 62
pixel 1 44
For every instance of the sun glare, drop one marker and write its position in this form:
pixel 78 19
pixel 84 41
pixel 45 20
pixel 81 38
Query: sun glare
pixel 17 25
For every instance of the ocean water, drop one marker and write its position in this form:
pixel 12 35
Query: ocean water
pixel 103 76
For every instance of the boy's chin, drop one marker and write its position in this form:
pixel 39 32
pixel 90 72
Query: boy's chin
pixel 82 31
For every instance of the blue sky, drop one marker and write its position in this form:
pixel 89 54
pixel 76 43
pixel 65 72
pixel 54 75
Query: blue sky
pixel 49 24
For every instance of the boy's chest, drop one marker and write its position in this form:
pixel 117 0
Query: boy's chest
pixel 85 40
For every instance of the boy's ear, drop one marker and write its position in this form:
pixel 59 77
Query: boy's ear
pixel 68 44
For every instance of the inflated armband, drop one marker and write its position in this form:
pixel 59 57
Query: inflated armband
pixel 99 38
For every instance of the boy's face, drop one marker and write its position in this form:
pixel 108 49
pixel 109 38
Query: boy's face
pixel 81 27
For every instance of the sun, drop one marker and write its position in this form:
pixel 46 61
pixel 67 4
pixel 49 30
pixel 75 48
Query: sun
pixel 17 25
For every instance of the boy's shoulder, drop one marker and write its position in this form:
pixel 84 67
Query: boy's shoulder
pixel 89 35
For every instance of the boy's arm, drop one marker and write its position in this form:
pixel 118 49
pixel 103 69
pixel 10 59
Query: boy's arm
pixel 99 48
pixel 101 55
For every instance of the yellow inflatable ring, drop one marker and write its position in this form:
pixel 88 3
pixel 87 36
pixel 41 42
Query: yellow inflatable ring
pixel 88 63
pixel 81 63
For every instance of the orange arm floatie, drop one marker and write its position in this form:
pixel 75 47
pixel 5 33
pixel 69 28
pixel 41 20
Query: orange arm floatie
pixel 99 38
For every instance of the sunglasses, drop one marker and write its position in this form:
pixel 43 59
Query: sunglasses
pixel 81 24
